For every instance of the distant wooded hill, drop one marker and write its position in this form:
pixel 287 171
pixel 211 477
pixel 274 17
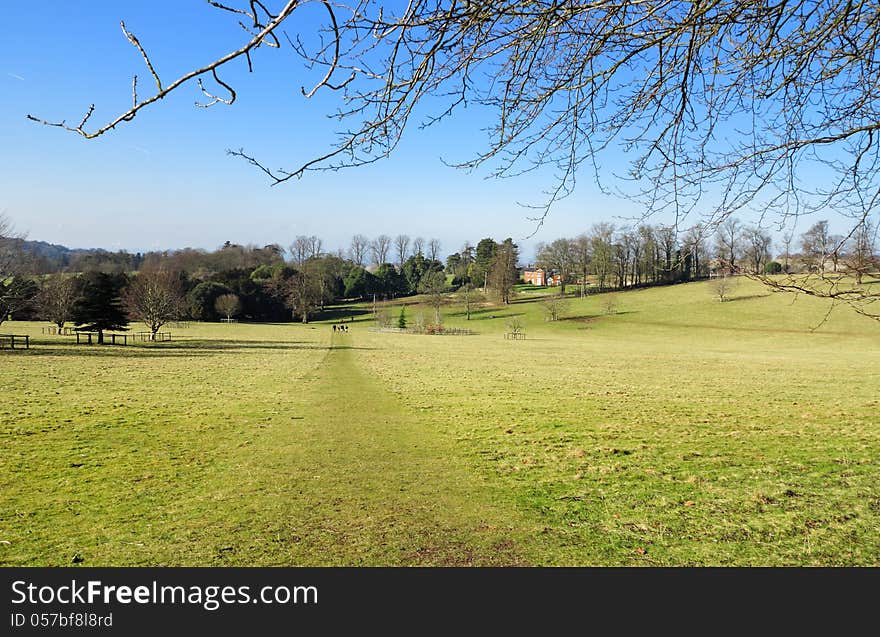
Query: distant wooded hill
pixel 52 257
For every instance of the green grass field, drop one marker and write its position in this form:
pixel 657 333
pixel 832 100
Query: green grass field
pixel 679 431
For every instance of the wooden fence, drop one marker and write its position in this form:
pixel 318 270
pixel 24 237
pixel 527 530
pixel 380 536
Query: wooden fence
pixel 64 331
pixel 91 338
pixel 515 336
pixel 15 341
pixel 146 337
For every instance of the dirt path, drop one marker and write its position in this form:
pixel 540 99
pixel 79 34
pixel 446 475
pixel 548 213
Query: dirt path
pixel 390 490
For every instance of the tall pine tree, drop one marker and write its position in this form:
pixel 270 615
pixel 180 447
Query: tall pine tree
pixel 503 274
pixel 99 306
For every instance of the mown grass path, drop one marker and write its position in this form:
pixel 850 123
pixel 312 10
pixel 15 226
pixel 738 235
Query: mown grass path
pixel 386 488
pixel 267 447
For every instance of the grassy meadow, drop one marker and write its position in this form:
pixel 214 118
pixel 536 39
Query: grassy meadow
pixel 677 431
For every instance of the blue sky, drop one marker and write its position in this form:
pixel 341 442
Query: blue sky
pixel 164 180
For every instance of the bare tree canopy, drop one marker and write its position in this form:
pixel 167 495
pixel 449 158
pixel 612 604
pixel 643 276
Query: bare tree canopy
pixel 380 247
pixel 738 94
pixel 401 245
pixel 14 289
pixel 11 255
pixel 360 245
pixel 57 298
pixel 156 297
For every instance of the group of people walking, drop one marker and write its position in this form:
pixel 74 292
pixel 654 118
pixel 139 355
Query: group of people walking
pixel 340 328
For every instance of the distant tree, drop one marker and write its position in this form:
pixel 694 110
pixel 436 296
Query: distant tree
pixel 12 261
pixel 433 286
pixel 57 298
pixel 861 253
pixel 228 305
pixel 304 294
pixel 304 248
pixel 622 252
pixel 316 247
pixel 202 299
pixel 401 246
pixel 610 303
pixel 816 244
pixel 326 271
pixel 257 303
pixel 415 268
pixel 694 246
pixel 454 264
pixel 470 297
pixel 383 316
pixel 10 249
pixel 389 282
pixel 728 244
pixel 757 248
pixel 360 246
pixel 418 246
pixel 17 297
pixel 723 286
pixel 554 306
pixel 379 247
pixel 401 318
pixel 155 297
pixel 669 257
pixel 582 257
pixel 459 265
pixel 773 267
pixel 787 238
pixel 434 248
pixel 99 305
pixel 359 284
pixel 602 247
pixel 503 274
pixel 516 325
pixel 484 255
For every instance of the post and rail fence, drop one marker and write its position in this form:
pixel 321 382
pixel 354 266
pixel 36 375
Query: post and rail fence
pixel 15 341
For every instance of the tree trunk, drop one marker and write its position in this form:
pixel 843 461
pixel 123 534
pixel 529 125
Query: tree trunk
pixel 100 337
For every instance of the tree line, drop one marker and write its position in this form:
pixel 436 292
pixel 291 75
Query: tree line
pixel 270 283
pixel 657 254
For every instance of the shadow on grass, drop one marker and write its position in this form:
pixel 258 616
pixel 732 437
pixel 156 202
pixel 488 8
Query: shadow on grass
pixel 589 318
pixel 343 314
pixel 179 348
pixel 749 297
pixel 488 315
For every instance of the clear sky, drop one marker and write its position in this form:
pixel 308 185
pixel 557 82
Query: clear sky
pixel 164 181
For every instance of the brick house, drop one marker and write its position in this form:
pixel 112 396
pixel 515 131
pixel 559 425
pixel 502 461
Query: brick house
pixel 540 276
